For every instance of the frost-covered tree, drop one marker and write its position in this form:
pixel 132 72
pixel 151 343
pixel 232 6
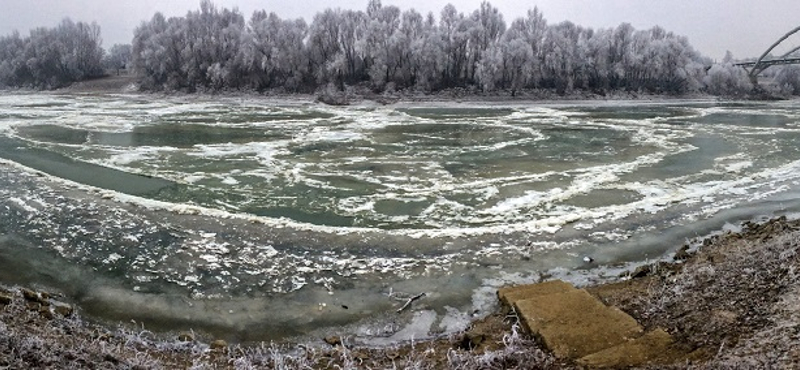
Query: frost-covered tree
pixel 597 68
pixel 384 43
pixel 198 51
pixel 510 62
pixel 352 32
pixel 412 29
pixel 51 57
pixel 486 29
pixel 79 50
pixel 620 57
pixel 157 53
pixel 727 79
pixel 332 46
pixel 272 53
pixel 455 30
pixel 561 56
pixel 515 61
pixel 211 41
pixel 728 58
pixel 428 58
pixel 118 57
pixel 323 43
pixel 384 47
pixel 13 69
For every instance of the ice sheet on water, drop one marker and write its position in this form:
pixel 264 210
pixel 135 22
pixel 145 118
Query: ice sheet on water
pixel 487 219
pixel 418 328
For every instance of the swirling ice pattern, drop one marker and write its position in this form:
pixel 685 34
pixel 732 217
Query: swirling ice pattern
pixel 365 195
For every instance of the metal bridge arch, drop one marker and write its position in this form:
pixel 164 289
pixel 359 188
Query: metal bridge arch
pixel 760 65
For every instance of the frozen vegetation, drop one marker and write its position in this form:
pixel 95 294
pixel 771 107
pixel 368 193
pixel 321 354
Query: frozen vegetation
pixel 385 48
pixel 381 50
pixel 51 57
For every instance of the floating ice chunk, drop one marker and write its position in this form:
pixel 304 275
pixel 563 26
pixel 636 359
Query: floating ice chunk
pixel 21 204
pixel 113 257
pixel 268 251
pixel 131 238
pixel 454 320
pixel 484 298
pixel 230 181
pixel 355 205
pixel 210 258
pixel 298 282
pixel 738 167
pixel 320 134
pixel 418 328
pixel 191 179
pixel 531 199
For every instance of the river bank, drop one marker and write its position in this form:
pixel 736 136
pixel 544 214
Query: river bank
pixel 732 303
pixel 363 95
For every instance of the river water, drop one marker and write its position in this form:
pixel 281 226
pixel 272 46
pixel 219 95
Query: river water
pixel 256 219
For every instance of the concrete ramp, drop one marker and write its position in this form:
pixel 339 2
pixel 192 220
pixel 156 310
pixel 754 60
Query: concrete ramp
pixel 575 325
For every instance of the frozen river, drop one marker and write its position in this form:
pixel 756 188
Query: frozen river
pixel 257 219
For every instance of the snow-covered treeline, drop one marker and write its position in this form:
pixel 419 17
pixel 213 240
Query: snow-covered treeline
pixel 51 57
pixel 384 47
pixel 381 48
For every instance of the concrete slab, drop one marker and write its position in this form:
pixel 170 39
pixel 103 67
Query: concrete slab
pixel 573 324
pixel 653 348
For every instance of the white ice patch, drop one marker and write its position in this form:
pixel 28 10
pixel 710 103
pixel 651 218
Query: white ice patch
pixel 738 167
pixel 230 181
pixel 323 134
pixel 454 320
pixel 191 179
pixel 484 298
pixel 356 205
pixel 210 258
pixel 298 282
pixel 113 257
pixel 264 151
pixel 531 199
pixel 131 238
pixel 418 328
pixel 22 205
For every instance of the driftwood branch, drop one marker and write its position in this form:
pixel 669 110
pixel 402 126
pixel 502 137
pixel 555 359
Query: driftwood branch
pixel 410 301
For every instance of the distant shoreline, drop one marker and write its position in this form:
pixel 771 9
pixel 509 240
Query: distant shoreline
pixel 126 84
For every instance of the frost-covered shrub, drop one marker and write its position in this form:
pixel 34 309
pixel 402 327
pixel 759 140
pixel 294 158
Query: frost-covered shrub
pixel 518 352
pixel 727 79
pixel 788 80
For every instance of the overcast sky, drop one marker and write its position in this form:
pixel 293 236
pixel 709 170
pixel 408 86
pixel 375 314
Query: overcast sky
pixel 745 27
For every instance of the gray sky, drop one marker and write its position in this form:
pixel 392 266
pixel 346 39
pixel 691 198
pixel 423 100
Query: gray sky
pixel 745 27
